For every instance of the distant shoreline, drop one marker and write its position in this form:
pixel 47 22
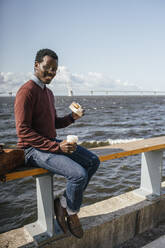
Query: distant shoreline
pixel 112 95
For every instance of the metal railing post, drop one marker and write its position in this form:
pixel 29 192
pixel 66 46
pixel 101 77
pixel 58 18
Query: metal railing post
pixel 44 227
pixel 151 174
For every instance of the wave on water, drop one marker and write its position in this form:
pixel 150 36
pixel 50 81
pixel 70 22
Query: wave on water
pixel 95 143
pixel 92 143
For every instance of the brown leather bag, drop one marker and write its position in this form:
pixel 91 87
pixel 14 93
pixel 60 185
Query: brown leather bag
pixel 10 159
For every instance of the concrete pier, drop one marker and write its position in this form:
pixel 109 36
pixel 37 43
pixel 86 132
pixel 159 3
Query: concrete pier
pixel 106 224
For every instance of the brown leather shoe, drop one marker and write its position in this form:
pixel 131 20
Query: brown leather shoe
pixel 74 226
pixel 60 213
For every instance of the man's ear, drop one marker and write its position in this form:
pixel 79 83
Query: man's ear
pixel 36 65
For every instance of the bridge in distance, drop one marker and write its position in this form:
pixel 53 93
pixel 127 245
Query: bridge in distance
pixel 125 92
pixel 105 92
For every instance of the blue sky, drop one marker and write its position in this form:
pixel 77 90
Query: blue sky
pixel 100 43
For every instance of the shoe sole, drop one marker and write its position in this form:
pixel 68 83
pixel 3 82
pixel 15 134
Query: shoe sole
pixel 79 237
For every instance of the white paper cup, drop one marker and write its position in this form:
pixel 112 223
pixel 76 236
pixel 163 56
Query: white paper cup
pixel 72 139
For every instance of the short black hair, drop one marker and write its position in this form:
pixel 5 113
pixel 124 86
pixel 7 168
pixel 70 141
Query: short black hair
pixel 45 52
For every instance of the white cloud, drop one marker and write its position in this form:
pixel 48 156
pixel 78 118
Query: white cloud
pixel 11 82
pixel 64 80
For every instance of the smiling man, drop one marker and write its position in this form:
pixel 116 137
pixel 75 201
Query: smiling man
pixel 36 124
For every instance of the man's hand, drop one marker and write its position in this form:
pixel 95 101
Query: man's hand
pixel 66 147
pixel 76 117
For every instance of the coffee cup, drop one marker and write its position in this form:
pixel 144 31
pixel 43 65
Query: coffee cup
pixel 72 139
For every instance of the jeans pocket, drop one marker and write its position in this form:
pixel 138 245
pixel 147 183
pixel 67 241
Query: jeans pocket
pixel 28 152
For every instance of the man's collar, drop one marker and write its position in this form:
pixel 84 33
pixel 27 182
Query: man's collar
pixel 37 81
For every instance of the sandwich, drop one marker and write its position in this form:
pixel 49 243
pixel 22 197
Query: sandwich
pixel 75 105
pixel 76 108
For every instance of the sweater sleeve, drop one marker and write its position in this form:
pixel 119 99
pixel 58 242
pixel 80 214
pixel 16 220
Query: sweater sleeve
pixel 23 108
pixel 61 122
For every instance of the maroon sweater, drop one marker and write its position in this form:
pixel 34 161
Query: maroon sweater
pixel 36 118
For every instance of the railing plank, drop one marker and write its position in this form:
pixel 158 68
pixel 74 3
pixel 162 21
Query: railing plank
pixel 132 148
pixel 127 149
pixel 25 173
pixel 131 152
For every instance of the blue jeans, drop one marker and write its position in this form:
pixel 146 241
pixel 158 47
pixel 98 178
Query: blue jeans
pixel 77 167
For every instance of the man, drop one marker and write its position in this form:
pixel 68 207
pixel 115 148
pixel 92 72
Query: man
pixel 36 124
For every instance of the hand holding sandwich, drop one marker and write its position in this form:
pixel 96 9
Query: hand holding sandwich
pixel 77 110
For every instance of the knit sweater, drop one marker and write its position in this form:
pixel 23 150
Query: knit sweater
pixel 36 118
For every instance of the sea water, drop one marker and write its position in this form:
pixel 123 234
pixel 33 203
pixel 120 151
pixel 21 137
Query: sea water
pixel 107 120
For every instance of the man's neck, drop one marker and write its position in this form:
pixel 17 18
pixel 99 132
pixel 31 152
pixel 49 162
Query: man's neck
pixel 38 81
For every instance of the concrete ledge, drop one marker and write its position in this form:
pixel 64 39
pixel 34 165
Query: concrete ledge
pixel 16 238
pixel 106 224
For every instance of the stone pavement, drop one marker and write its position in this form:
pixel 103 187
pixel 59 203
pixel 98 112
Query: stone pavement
pixel 153 238
pixel 158 243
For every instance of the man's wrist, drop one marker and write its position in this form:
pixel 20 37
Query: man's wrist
pixel 71 117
